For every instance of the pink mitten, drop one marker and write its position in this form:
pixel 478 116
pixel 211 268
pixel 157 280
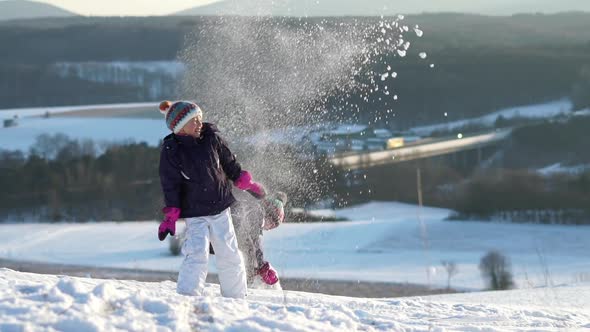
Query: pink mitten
pixel 245 182
pixel 168 225
pixel 268 274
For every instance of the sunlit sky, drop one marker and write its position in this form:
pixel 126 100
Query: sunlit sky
pixel 126 7
pixel 165 7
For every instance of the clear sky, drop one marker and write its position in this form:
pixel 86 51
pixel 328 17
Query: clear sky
pixel 125 7
pixel 165 7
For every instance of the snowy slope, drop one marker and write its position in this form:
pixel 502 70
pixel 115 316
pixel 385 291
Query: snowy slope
pixel 31 302
pixel 37 111
pixel 100 130
pixel 558 168
pixel 538 111
pixel 115 130
pixel 382 240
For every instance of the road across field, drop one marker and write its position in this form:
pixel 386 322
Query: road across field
pixel 428 149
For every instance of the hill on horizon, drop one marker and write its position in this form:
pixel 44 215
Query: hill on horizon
pixel 381 7
pixel 25 9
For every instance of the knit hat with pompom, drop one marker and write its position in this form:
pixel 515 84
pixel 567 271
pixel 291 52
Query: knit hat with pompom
pixel 274 210
pixel 179 113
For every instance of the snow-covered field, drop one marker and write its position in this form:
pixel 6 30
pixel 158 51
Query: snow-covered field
pixel 382 242
pixel 559 168
pixel 39 111
pixel 114 130
pixel 389 242
pixel 538 111
pixel 32 302
pixel 100 130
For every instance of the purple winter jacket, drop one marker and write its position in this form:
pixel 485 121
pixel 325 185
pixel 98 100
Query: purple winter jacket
pixel 197 174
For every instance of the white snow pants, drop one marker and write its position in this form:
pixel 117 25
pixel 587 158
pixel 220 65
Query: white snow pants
pixel 230 264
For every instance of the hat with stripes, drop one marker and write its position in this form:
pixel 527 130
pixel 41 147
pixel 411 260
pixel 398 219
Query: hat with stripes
pixel 179 113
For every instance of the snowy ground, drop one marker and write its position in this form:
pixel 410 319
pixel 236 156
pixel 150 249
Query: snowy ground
pixel 538 111
pixel 558 168
pixel 39 111
pixel 382 242
pixel 100 130
pixel 114 130
pixel 32 302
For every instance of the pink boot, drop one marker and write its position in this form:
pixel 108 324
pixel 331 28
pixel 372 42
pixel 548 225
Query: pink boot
pixel 268 274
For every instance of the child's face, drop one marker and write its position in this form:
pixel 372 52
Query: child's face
pixel 193 127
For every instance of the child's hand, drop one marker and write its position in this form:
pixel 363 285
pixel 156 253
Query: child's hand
pixel 168 225
pixel 245 182
pixel 268 274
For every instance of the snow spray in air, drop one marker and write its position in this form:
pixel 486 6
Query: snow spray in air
pixel 266 81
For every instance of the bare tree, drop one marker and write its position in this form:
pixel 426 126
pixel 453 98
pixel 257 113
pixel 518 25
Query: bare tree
pixel 452 270
pixel 495 269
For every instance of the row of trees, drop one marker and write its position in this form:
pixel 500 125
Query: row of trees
pixel 122 184
pixel 64 179
pixel 79 39
pixel 466 83
pixel 24 85
pixel 525 196
pixel 495 194
pixel 510 188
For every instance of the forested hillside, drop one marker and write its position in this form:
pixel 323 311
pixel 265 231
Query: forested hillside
pixel 480 63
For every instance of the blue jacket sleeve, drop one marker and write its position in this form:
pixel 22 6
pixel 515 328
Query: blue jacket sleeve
pixel 228 161
pixel 170 178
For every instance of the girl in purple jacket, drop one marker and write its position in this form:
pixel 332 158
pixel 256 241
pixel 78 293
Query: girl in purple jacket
pixel 197 170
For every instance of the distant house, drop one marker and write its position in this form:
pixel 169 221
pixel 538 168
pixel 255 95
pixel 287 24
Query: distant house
pixel 349 137
pixel 356 138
